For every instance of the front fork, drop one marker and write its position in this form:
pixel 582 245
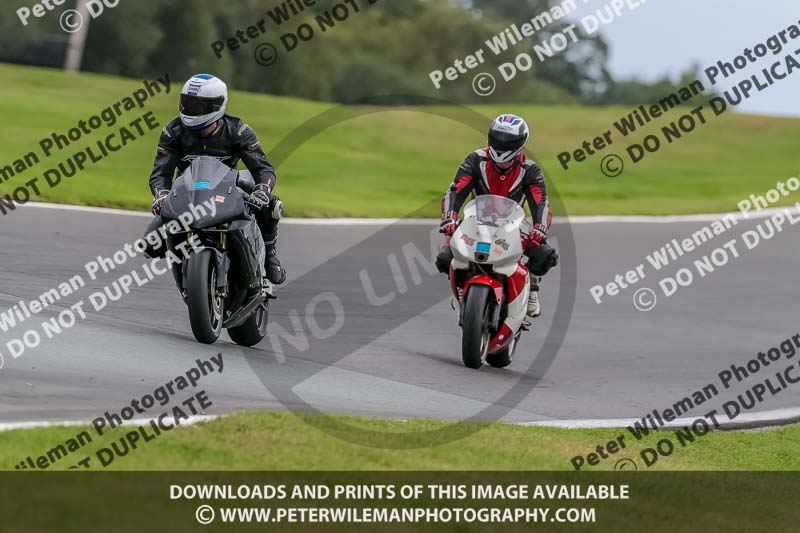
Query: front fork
pixel 461 286
pixel 219 256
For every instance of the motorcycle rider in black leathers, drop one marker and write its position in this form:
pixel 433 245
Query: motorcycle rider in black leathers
pixel 204 129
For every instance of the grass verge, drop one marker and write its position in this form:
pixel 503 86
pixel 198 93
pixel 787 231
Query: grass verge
pixel 284 441
pixel 388 163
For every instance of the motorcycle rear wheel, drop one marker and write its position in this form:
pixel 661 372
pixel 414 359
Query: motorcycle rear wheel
pixel 206 305
pixel 253 330
pixel 499 359
pixel 475 334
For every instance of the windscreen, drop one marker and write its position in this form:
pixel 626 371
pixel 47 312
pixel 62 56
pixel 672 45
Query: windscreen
pixel 206 173
pixel 495 211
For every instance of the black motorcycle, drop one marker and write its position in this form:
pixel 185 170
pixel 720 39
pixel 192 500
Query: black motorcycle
pixel 223 284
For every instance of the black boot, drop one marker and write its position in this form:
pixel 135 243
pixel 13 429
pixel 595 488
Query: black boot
pixel 275 272
pixel 269 230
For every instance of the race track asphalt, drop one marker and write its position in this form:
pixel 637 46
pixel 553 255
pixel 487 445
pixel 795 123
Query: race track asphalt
pixel 402 358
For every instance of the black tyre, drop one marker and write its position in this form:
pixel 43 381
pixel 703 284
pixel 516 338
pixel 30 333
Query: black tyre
pixel 475 333
pixel 253 330
pixel 206 306
pixel 503 359
pixel 499 359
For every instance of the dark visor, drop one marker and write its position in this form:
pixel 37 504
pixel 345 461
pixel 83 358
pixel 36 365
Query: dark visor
pixel 506 143
pixel 195 106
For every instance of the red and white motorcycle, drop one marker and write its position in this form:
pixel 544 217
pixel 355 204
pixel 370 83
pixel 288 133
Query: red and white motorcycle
pixel 489 280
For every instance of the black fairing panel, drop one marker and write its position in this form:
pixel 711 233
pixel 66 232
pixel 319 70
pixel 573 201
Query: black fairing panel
pixel 206 180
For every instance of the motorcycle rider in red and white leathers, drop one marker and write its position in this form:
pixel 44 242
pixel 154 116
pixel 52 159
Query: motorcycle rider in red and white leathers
pixel 502 169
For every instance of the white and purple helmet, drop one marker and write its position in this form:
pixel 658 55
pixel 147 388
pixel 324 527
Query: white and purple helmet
pixel 508 137
pixel 203 101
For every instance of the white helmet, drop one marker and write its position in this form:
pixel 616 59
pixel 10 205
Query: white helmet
pixel 508 137
pixel 203 101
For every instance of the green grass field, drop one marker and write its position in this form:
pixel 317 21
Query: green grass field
pixel 256 449
pixel 394 161
pixel 284 441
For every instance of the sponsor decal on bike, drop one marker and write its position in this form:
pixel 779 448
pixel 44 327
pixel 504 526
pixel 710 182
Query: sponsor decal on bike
pixel 201 185
pixel 469 240
pixel 502 243
pixel 219 199
pixel 483 247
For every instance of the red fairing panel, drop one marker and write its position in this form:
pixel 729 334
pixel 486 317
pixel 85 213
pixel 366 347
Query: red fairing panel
pixel 453 286
pixel 516 283
pixel 501 341
pixel 483 279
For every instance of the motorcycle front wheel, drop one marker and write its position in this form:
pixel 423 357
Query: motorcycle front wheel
pixel 206 304
pixel 475 334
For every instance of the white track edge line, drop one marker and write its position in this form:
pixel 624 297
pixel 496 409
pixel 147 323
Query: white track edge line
pixel 775 417
pixel 592 219
pixel 9 426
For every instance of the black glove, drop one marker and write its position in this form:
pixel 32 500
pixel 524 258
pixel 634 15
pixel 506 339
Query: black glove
pixel 272 203
pixel 263 193
pixel 542 259
pixel 444 259
pixel 158 201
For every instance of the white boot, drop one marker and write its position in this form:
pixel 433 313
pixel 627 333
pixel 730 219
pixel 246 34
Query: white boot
pixel 534 307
